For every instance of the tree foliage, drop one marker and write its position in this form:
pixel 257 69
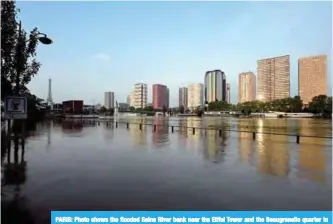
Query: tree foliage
pixel 102 109
pixel 17 52
pixel 148 108
pixel 181 109
pixel 321 104
pixel 164 109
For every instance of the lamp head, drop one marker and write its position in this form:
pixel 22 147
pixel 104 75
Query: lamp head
pixel 45 40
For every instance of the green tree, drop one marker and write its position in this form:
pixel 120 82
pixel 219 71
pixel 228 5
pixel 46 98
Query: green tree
pixel 110 111
pixel 181 109
pixel 103 109
pixel 164 110
pixel 18 54
pixel 148 108
pixel 132 108
pixel 321 105
pixel 328 107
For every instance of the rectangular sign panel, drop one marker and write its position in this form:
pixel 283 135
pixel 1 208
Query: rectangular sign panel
pixel 15 107
pixel 15 104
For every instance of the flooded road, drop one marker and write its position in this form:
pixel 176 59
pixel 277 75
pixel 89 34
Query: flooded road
pixel 71 165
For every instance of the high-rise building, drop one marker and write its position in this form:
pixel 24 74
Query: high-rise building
pixel 183 97
pixel 109 100
pixel 215 86
pixel 160 96
pixel 132 99
pixel 312 80
pixel 246 87
pixel 139 97
pixel 228 93
pixel 195 95
pixel 273 78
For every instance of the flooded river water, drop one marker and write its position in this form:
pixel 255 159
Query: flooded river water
pixel 74 165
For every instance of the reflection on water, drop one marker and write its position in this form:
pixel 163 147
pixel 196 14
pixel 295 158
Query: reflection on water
pixel 161 134
pixel 14 206
pixel 87 165
pixel 273 158
pixel 312 159
pixel 138 136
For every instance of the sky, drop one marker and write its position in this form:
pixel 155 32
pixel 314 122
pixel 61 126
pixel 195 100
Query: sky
pixel 110 46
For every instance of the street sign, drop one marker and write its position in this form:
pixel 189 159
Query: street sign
pixel 15 107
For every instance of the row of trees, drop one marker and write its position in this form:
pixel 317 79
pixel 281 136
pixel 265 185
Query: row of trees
pixel 18 57
pixel 321 104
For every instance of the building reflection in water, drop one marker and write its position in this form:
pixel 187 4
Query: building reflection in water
pixel 72 127
pixel 14 208
pixel 182 127
pixel 273 156
pixel 194 140
pixel 245 144
pixel 311 157
pixel 109 129
pixel 139 137
pixel 161 135
pixel 214 144
pixel 49 127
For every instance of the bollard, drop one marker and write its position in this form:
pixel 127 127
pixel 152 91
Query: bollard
pixel 140 126
pixel 254 135
pixel 193 130
pixel 127 125
pixel 172 129
pixel 107 124
pixel 116 124
pixel 154 127
pixel 220 132
pixel 297 139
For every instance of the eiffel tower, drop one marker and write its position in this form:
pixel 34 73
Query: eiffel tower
pixel 49 95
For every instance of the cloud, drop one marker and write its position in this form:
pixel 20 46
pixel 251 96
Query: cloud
pixel 102 56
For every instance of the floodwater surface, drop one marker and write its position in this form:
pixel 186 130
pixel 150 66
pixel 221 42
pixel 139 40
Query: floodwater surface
pixel 75 165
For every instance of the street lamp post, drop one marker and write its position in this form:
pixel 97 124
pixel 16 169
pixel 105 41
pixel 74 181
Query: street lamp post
pixel 41 37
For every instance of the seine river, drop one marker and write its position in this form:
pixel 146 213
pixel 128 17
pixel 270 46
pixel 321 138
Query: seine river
pixel 89 166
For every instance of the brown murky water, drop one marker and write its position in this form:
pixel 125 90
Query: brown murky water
pixel 71 165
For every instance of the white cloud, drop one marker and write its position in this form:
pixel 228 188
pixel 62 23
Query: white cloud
pixel 102 57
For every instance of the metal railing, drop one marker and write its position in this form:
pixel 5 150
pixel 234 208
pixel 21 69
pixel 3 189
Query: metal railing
pixel 254 133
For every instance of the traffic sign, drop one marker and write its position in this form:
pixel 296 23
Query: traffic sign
pixel 15 107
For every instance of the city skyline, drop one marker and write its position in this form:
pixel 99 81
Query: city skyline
pixel 206 34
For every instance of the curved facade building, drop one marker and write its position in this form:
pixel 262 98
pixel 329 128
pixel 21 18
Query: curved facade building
pixel 215 86
pixel 160 96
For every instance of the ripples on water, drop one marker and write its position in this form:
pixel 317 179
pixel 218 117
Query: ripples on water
pixel 83 165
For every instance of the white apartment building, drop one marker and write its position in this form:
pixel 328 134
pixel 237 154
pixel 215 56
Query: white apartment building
pixel 139 96
pixel 195 95
pixel 109 100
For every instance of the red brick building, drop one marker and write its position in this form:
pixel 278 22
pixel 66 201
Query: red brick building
pixel 160 96
pixel 72 106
